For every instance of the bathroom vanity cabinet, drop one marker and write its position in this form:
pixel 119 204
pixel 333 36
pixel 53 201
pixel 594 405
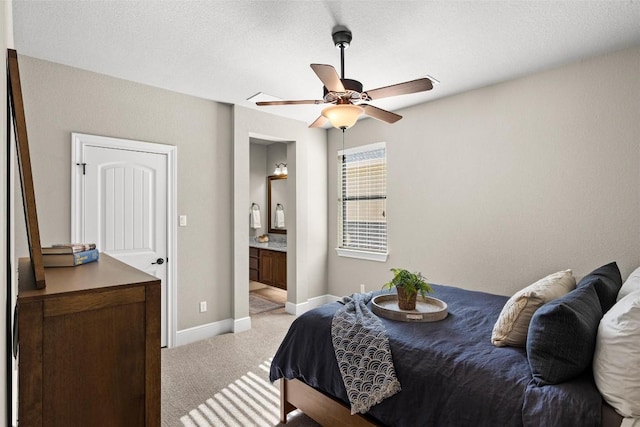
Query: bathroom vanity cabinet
pixel 254 264
pixel 273 268
pixel 268 267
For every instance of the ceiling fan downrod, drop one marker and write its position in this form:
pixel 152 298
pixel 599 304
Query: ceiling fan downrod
pixel 341 38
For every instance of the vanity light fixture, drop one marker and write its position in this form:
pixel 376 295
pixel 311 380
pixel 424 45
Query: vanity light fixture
pixel 281 169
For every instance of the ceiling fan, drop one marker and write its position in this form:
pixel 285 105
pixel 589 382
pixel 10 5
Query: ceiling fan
pixel 347 96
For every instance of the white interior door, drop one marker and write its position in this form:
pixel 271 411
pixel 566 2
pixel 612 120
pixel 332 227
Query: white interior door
pixel 123 205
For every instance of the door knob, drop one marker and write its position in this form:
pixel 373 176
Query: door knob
pixel 159 261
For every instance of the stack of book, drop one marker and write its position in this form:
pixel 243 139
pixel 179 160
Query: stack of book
pixel 69 254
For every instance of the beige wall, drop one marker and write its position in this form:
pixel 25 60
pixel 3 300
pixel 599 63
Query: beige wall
pixel 497 187
pixel 60 100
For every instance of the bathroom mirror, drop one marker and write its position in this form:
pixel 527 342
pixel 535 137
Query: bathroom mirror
pixel 277 203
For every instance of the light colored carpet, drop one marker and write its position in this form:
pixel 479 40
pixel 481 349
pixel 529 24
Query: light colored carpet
pixel 258 304
pixel 224 380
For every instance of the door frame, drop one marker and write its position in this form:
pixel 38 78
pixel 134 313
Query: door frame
pixel 78 142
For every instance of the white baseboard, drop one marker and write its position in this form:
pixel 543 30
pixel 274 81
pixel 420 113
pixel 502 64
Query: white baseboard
pixel 322 300
pixel 201 332
pixel 240 325
pixel 295 309
pixel 332 298
pixel 310 304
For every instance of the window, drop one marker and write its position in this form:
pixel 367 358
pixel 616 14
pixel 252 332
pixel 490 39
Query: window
pixel 362 203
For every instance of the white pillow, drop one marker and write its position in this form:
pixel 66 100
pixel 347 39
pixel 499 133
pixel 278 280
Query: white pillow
pixel 632 284
pixel 617 356
pixel 512 325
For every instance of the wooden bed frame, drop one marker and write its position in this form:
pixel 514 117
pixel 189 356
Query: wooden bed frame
pixel 327 411
pixel 324 409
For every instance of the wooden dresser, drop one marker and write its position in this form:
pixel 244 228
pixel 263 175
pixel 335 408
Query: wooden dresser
pixel 89 346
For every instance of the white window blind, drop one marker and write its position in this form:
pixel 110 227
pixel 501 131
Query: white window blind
pixel 362 221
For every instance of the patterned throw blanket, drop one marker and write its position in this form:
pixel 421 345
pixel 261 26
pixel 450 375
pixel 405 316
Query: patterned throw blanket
pixel 362 350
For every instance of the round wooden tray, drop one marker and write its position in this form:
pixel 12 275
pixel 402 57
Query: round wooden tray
pixel 428 309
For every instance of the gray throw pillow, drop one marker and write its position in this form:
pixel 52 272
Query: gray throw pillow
pixel 609 285
pixel 562 335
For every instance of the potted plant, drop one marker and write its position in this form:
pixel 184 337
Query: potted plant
pixel 408 285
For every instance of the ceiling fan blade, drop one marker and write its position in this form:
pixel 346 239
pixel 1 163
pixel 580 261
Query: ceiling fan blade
pixel 380 114
pixel 320 121
pixel 413 86
pixel 329 77
pixel 303 101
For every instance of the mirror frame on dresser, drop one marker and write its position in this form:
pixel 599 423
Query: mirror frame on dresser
pixel 270 212
pixel 16 106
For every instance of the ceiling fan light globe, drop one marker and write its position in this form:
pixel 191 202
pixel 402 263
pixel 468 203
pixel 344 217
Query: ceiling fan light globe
pixel 342 116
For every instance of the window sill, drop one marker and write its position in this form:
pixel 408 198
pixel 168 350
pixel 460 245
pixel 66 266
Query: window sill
pixel 369 256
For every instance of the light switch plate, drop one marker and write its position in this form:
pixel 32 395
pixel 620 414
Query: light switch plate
pixel 183 220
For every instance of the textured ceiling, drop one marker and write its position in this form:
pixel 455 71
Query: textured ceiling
pixel 228 51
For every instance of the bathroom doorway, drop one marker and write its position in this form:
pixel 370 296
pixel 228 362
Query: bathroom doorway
pixel 268 249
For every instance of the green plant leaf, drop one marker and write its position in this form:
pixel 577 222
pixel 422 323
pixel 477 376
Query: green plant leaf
pixel 410 282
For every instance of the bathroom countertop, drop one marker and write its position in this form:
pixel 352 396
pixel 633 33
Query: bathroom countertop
pixel 273 246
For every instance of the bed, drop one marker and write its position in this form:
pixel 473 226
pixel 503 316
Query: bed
pixel 450 373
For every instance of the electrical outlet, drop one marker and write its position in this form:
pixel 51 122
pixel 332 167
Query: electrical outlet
pixel 203 306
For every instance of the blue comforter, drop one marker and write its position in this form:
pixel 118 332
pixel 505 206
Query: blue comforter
pixel 451 374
